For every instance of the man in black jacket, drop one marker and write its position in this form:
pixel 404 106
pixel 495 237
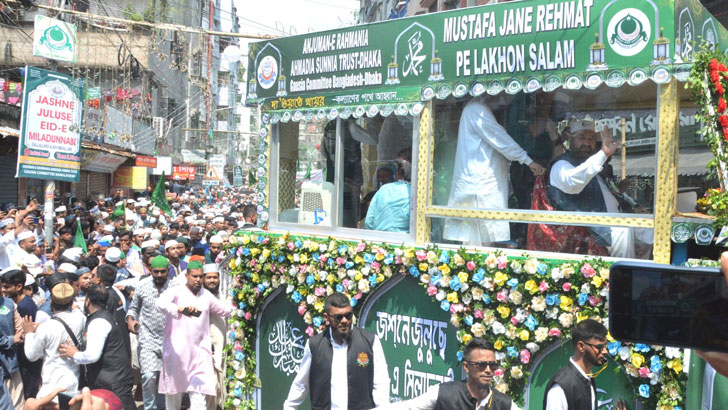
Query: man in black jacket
pixel 343 367
pixel 107 363
pixel 573 386
pixel 475 392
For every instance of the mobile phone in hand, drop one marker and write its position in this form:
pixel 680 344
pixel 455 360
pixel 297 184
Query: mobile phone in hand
pixel 63 399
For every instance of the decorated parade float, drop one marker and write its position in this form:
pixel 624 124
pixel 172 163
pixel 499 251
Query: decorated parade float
pixel 347 112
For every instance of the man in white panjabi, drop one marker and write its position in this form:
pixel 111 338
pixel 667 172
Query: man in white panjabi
pixel 480 178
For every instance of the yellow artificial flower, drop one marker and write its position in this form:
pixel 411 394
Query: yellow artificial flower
pixel 380 278
pixel 498 345
pixel 232 264
pixel 358 260
pixel 504 311
pixel 463 276
pixel 581 316
pixel 566 303
pixel 467 338
pixel 358 276
pixel 500 278
pixel 254 252
pixel 459 261
pixel 409 253
pixel 444 269
pixel 331 279
pixel 452 297
pixel 423 267
pixel 524 335
pixel 246 239
pixel 610 338
pixel 531 287
pixel 637 360
pixel 255 278
pixel 379 257
pixel 604 273
pixel 597 281
pixel 319 306
pixel 303 291
pixel 675 365
pixel 265 254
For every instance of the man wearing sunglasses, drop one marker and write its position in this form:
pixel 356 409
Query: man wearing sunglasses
pixel 343 367
pixel 475 392
pixel 573 387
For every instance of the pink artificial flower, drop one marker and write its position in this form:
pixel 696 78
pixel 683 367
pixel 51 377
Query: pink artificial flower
pixel 357 296
pixel 265 241
pixel 302 309
pixel 543 286
pixel 340 260
pixel 376 265
pixel 253 262
pixel 588 271
pixel 248 315
pixel 514 320
pixel 566 286
pixel 502 262
pixel 238 346
pixel 595 300
pixel 302 268
pixel 421 255
pixel 291 246
pixel 239 252
pixel 323 258
pixel 309 331
pixel 502 296
pixel 360 247
pixel 478 314
pixel 554 332
pixel 525 356
pixel 432 290
pixel 345 283
pixel 319 291
pixel 498 372
pixel 470 265
pixel 644 372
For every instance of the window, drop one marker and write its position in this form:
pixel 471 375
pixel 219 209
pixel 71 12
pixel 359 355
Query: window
pixel 373 172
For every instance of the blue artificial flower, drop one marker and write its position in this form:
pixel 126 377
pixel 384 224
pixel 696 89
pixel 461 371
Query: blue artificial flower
pixel 436 279
pixel 242 305
pixel 340 288
pixel 479 275
pixel 445 305
pixel 542 269
pixel 246 252
pixel 644 391
pixel 349 264
pixel 460 356
pixel 353 302
pixel 315 256
pixel 389 259
pixel 677 408
pixel 368 258
pixel 655 364
pixel 445 258
pixel 298 243
pixel 239 355
pixel 455 283
pixel 261 288
pixel 237 392
pixel 414 271
pixel 343 249
pixel 281 258
pixel 531 322
pixel 486 299
pixel 310 279
pixel 330 262
pixel 583 298
pixel 317 321
pixel 613 347
pixel 552 299
pixel 296 296
pixel 641 347
pixel 373 279
pixel 512 282
pixel 512 351
pixel 468 320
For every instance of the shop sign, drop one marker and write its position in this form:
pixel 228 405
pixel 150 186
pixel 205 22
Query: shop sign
pixel 144 161
pixel 418 340
pixel 99 161
pixel 130 177
pixel 182 172
pixel 54 39
pixel 238 175
pixel 215 173
pixel 50 144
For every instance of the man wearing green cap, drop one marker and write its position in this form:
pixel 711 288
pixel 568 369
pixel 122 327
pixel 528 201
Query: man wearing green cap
pixel 144 320
pixel 188 367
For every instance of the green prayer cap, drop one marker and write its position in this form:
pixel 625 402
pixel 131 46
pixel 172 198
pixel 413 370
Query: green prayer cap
pixel 183 240
pixel 160 262
pixel 194 265
pixel 122 256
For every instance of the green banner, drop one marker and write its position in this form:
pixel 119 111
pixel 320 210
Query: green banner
pixel 50 143
pixel 281 340
pixel 418 340
pixel 511 47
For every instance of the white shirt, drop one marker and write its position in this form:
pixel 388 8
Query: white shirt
pixel 96 335
pixel 339 388
pixel 428 401
pixel 6 242
pixel 556 398
pixel 43 344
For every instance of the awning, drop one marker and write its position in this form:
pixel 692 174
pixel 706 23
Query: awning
pixel 10 132
pixel 98 158
pixel 691 161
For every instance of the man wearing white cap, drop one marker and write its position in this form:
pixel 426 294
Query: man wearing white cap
pixel 580 180
pixel 215 248
pixel 11 334
pixel 61 211
pixel 177 266
pixel 109 229
pixel 218 330
pixel 149 248
pixel 25 250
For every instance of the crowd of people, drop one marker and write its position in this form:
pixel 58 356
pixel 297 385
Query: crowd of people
pixel 104 304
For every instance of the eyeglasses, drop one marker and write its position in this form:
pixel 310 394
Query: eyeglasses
pixel 340 316
pixel 480 366
pixel 159 270
pixel 599 347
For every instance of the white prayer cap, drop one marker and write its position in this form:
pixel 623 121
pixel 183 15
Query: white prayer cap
pixel 7 221
pixel 581 125
pixel 113 255
pixel 223 234
pixel 32 263
pixel 25 235
pixel 73 254
pixel 189 219
pixel 215 239
pixel 129 214
pixel 155 242
pixel 156 234
pixel 175 205
pixel 106 238
pixel 138 231
pixel 148 244
pixel 67 267
pixel 152 220
pixel 29 279
pixel 109 228
pixel 130 201
pixel 218 219
pixel 234 214
pixel 120 203
pixel 61 208
pixel 209 215
pixel 210 267
pixel 148 231
pixel 155 212
pixel 170 244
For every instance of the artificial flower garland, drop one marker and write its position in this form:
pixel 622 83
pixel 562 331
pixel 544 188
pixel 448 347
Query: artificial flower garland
pixel 520 304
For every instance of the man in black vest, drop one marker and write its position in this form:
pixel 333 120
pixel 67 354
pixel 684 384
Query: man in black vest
pixel 573 387
pixel 474 393
pixel 581 180
pixel 107 362
pixel 343 367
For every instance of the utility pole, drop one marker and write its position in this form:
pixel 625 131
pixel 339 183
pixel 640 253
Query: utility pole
pixel 209 66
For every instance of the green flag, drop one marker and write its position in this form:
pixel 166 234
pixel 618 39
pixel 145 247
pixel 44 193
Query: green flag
pixel 251 178
pixel 308 172
pixel 119 212
pixel 79 241
pixel 159 197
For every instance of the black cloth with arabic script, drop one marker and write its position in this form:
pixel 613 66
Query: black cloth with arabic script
pixel 359 370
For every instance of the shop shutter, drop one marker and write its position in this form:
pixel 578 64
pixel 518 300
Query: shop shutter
pixel 98 183
pixel 9 191
pixel 81 191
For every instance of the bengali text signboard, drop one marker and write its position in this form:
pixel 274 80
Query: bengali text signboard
pixel 50 143
pixel 418 340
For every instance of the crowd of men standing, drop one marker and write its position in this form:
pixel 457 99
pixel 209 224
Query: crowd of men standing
pixel 106 304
